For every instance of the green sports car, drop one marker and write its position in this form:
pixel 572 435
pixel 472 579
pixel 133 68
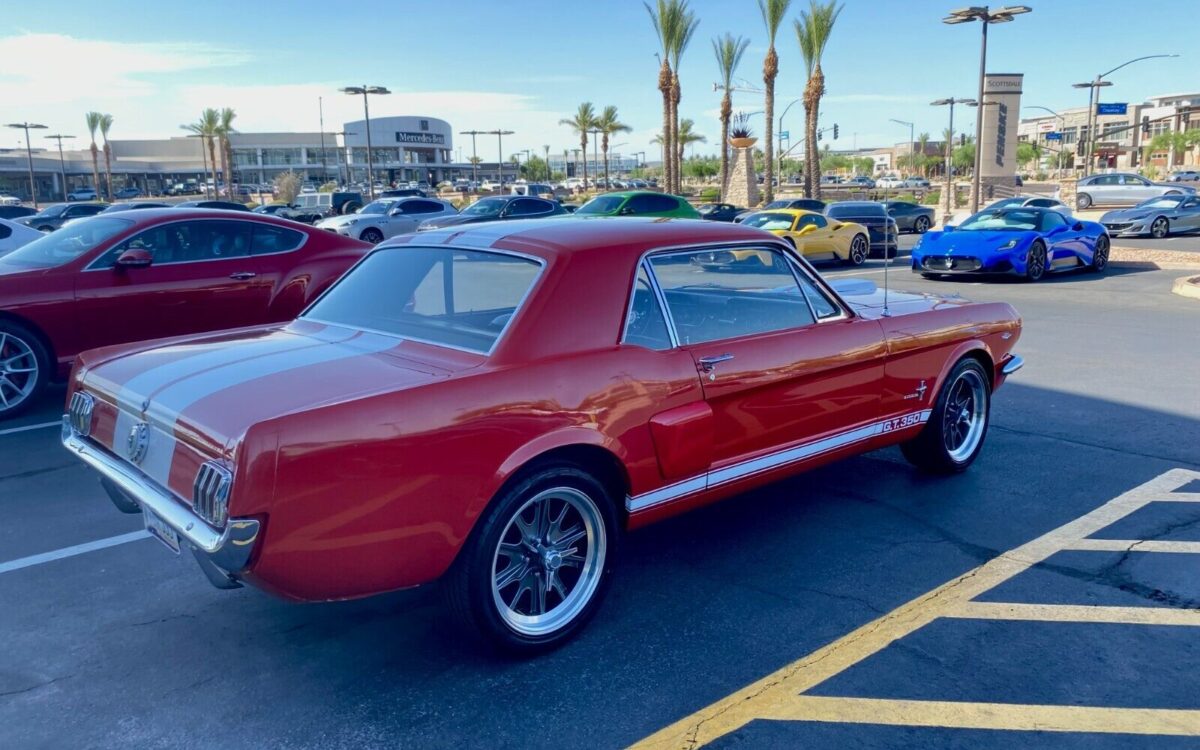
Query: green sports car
pixel 638 203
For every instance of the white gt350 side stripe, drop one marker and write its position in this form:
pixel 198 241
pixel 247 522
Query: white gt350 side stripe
pixel 773 460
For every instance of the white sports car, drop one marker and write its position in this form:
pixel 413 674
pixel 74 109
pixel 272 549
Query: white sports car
pixel 387 217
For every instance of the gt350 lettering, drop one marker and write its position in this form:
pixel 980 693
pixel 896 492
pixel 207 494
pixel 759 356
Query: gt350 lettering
pixel 899 423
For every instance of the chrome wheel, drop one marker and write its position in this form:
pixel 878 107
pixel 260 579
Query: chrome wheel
pixel 965 416
pixel 858 250
pixel 18 371
pixel 1035 264
pixel 1160 228
pixel 922 225
pixel 549 561
pixel 1100 254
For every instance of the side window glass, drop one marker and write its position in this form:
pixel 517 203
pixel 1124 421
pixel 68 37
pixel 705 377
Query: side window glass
pixel 819 222
pixel 272 239
pixel 646 325
pixel 714 295
pixel 639 204
pixel 525 207
pixel 1050 220
pixel 424 207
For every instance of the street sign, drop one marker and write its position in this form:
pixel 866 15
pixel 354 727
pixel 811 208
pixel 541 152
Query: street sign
pixel 1112 108
pixel 1053 136
pixel 785 135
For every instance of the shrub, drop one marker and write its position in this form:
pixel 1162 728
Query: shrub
pixel 710 194
pixel 328 187
pixel 1041 176
pixel 287 187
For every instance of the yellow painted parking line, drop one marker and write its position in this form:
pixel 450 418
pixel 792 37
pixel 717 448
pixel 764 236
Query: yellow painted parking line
pixel 1008 716
pixel 1134 545
pixel 777 695
pixel 1076 613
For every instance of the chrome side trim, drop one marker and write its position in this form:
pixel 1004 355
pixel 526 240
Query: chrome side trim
pixel 1013 364
pixel 228 549
pixel 712 479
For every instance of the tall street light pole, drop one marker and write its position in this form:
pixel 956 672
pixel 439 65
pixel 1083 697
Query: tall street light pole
pixel 366 91
pixel 595 151
pixel 27 126
pixel 474 154
pixel 62 163
pixel 912 151
pixel 500 156
pixel 950 154
pixel 1093 99
pixel 336 154
pixel 986 17
pixel 321 115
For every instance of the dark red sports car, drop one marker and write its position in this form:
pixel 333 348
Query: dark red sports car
pixel 150 274
pixel 495 405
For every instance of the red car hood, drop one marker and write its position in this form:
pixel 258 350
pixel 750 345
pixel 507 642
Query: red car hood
pixel 199 396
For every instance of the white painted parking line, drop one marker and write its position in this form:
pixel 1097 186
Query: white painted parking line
pixel 28 427
pixel 78 549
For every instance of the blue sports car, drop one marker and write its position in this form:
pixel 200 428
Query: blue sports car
pixel 1021 241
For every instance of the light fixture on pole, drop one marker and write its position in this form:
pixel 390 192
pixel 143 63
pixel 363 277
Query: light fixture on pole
pixel 62 164
pixel 364 91
pixel 27 126
pixel 500 156
pixel 1093 99
pixel 912 149
pixel 986 17
pixel 474 154
pixel 950 153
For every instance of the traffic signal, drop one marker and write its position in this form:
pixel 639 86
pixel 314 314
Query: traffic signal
pixel 1145 125
pixel 835 131
pixel 1079 151
pixel 962 139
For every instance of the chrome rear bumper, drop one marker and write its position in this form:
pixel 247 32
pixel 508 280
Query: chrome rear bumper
pixel 221 554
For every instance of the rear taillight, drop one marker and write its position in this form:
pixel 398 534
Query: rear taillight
pixel 210 493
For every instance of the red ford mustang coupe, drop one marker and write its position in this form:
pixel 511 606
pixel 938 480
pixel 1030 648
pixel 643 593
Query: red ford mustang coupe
pixel 494 406
pixel 149 274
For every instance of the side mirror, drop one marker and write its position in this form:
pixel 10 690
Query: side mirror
pixel 625 211
pixel 807 228
pixel 135 258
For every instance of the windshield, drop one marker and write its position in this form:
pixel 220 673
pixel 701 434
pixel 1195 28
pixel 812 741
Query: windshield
pixel 858 209
pixel 377 207
pixel 1165 201
pixel 68 243
pixel 486 207
pixel 769 221
pixel 458 298
pixel 1002 220
pixel 604 204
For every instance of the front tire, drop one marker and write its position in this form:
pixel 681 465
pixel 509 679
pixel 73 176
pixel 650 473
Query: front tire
pixel 860 248
pixel 1100 254
pixel 1160 228
pixel 374 236
pixel 24 368
pixel 1035 262
pixel 957 426
pixel 539 562
pixel 1083 201
pixel 921 225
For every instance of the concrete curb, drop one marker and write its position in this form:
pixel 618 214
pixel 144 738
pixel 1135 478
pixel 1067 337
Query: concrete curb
pixel 1187 286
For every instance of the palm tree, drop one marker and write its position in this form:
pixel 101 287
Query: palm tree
pixel 728 52
pixel 812 31
pixel 772 12
pixel 687 29
pixel 922 159
pixel 609 123
pixel 686 137
pixel 93 122
pixel 206 127
pixel 665 19
pixel 583 121
pixel 224 128
pixel 106 121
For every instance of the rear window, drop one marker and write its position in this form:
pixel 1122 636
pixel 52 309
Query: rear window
pixel 855 209
pixel 458 298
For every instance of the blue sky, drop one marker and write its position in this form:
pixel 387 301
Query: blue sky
pixel 523 66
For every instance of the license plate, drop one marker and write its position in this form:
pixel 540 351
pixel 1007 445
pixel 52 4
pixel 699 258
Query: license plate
pixel 159 529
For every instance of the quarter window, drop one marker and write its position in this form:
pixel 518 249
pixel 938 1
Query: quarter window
pixel 651 203
pixel 725 294
pixel 272 239
pixel 645 325
pixel 810 219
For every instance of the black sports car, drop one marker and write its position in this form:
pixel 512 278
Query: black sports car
pixel 498 208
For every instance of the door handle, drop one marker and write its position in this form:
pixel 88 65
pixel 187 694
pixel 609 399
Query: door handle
pixel 708 363
pixel 242 275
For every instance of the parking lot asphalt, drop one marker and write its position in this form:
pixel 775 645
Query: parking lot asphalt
pixel 126 645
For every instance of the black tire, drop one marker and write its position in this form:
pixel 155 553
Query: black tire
pixel 1100 255
pixel 469 589
pixel 929 450
pixel 921 225
pixel 1083 201
pixel 1035 265
pixel 20 349
pixel 860 248
pixel 1160 227
pixel 350 207
pixel 372 235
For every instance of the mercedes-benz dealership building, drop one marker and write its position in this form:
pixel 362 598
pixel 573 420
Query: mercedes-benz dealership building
pixel 402 149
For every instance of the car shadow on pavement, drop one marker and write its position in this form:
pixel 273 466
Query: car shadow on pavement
pixel 701 605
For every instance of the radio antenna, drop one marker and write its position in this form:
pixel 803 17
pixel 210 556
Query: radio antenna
pixel 887 259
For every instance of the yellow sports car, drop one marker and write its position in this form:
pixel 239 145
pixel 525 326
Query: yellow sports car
pixel 817 236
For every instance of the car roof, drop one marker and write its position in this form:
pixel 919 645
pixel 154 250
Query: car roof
pixel 149 216
pixel 549 238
